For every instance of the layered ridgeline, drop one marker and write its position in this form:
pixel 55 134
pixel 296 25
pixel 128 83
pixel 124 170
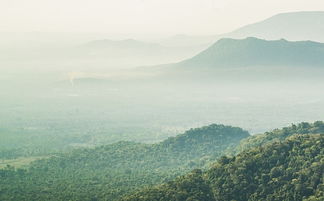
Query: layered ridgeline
pixel 307 25
pixel 291 169
pixel 296 26
pixel 107 172
pixel 252 52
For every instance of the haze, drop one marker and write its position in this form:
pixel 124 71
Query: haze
pixel 198 17
pixel 104 100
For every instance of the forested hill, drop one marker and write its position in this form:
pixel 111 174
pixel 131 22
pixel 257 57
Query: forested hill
pixel 278 135
pixel 200 141
pixel 108 172
pixel 291 170
pixel 256 52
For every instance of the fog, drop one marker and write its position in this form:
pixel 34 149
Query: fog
pixel 205 17
pixel 161 100
pixel 57 103
pixel 72 88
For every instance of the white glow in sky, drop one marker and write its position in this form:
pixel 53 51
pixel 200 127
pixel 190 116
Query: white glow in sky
pixel 142 16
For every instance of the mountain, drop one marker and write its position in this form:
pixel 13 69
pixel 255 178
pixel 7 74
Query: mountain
pixel 288 170
pixel 294 26
pixel 98 54
pixel 108 172
pixel 307 25
pixel 256 52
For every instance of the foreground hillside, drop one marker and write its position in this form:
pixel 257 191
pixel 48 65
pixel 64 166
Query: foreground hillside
pixel 107 172
pixel 279 135
pixel 291 170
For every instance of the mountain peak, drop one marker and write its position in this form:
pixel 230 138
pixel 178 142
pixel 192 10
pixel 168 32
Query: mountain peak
pixel 305 25
pixel 253 51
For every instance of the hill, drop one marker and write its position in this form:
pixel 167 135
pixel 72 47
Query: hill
pixel 305 25
pixel 279 135
pixel 289 170
pixel 256 52
pixel 107 172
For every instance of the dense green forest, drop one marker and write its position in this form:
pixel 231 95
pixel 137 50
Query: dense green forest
pixel 32 142
pixel 107 172
pixel 291 170
pixel 278 135
pixel 284 164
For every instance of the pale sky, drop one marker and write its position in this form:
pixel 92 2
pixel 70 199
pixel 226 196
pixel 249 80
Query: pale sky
pixel 195 17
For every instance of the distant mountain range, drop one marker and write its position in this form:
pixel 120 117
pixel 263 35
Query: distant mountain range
pixel 291 26
pixel 247 59
pixel 282 29
pixel 257 52
pixel 295 26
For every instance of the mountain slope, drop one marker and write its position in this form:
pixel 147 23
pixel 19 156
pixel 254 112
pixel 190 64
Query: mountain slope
pixel 279 135
pixel 295 26
pixel 306 25
pixel 257 52
pixel 107 172
pixel 291 170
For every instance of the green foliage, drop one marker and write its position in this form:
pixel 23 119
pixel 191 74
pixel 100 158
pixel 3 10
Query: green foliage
pixel 107 172
pixel 33 142
pixel 291 170
pixel 278 135
pixel 285 164
pixel 190 187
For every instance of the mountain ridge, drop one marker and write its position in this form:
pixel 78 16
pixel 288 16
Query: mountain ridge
pixel 307 27
pixel 252 51
pixel 296 26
